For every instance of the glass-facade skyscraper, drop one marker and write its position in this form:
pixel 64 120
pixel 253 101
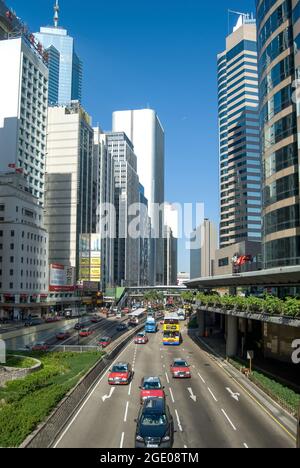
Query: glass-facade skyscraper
pixel 69 80
pixel 240 161
pixel 278 24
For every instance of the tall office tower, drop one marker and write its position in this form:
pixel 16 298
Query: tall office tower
pixel 204 244
pixel 9 22
pixel 23 110
pixel 53 65
pixel 69 80
pixel 240 160
pixel 69 183
pixel 103 196
pixel 147 135
pixel 279 65
pixel 126 258
pixel 170 257
pixel 144 242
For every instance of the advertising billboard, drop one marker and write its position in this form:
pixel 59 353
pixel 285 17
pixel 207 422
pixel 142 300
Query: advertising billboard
pixel 90 258
pixel 62 279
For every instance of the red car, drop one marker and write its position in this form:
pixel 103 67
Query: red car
pixel 120 374
pixel 151 387
pixel 63 336
pixel 180 369
pixel 85 333
pixel 104 342
pixel 40 347
pixel 141 338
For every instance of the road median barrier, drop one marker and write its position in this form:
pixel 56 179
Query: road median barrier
pixel 46 434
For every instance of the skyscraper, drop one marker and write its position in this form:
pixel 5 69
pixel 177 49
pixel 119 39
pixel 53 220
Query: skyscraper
pixel 23 110
pixel 279 65
pixel 204 245
pixel 69 79
pixel 126 252
pixel 144 129
pixel 69 196
pixel 240 161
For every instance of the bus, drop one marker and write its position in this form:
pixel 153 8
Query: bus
pixel 171 331
pixel 137 317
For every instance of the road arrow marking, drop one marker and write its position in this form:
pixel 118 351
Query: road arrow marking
pixel 193 397
pixel 233 395
pixel 107 397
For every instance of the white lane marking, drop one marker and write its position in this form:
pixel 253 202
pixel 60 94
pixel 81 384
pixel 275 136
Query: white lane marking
pixel 201 378
pixel 172 396
pixel 129 391
pixel 193 397
pixel 212 394
pixel 107 397
pixel 178 421
pixel 233 395
pixel 122 440
pixel 167 377
pixel 164 366
pixel 88 398
pixel 126 412
pixel 185 446
pixel 246 446
pixel 228 419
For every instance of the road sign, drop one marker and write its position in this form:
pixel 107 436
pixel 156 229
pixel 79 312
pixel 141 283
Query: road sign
pixel 250 355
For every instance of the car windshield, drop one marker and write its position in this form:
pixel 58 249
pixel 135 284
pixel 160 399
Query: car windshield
pixel 154 420
pixel 180 364
pixel 151 385
pixel 104 339
pixel 120 368
pixel 141 335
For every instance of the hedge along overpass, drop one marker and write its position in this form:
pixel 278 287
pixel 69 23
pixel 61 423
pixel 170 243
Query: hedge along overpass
pixel 278 333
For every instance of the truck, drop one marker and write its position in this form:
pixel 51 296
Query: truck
pixel 151 325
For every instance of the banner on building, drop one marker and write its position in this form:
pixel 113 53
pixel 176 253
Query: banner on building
pixel 62 279
pixel 90 258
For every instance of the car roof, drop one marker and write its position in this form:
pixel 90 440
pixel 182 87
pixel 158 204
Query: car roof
pixel 151 379
pixel 154 406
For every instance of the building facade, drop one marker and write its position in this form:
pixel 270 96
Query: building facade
pixel 240 160
pixel 145 130
pixel 204 244
pixel 23 111
pixel 103 200
pixel 23 250
pixel 126 250
pixel 69 191
pixel 70 66
pixel 170 257
pixel 279 64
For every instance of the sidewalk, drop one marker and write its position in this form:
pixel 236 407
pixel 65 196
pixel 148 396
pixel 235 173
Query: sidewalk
pixel 285 373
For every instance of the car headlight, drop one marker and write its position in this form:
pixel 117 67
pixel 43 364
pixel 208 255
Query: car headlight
pixel 166 439
pixel 124 380
pixel 111 379
pixel 139 438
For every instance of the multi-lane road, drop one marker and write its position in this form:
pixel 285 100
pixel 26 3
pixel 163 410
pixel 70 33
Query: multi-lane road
pixel 209 411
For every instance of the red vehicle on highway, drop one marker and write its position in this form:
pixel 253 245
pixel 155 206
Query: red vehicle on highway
pixel 104 342
pixel 141 338
pixel 40 347
pixel 151 387
pixel 120 374
pixel 85 333
pixel 63 336
pixel 180 369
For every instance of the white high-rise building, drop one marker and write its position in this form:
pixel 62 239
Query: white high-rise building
pixel 23 110
pixel 204 244
pixel 69 196
pixel 144 129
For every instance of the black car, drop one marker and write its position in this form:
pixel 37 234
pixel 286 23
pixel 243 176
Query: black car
pixel 79 326
pixel 122 327
pixel 155 425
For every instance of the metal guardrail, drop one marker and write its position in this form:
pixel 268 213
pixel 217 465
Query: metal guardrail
pixel 47 433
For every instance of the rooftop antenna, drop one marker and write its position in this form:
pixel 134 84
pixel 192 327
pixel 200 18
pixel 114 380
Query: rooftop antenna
pixel 56 14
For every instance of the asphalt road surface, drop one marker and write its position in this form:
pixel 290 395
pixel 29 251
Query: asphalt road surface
pixel 209 410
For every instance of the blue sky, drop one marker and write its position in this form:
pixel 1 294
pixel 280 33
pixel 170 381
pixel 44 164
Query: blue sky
pixel 157 53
